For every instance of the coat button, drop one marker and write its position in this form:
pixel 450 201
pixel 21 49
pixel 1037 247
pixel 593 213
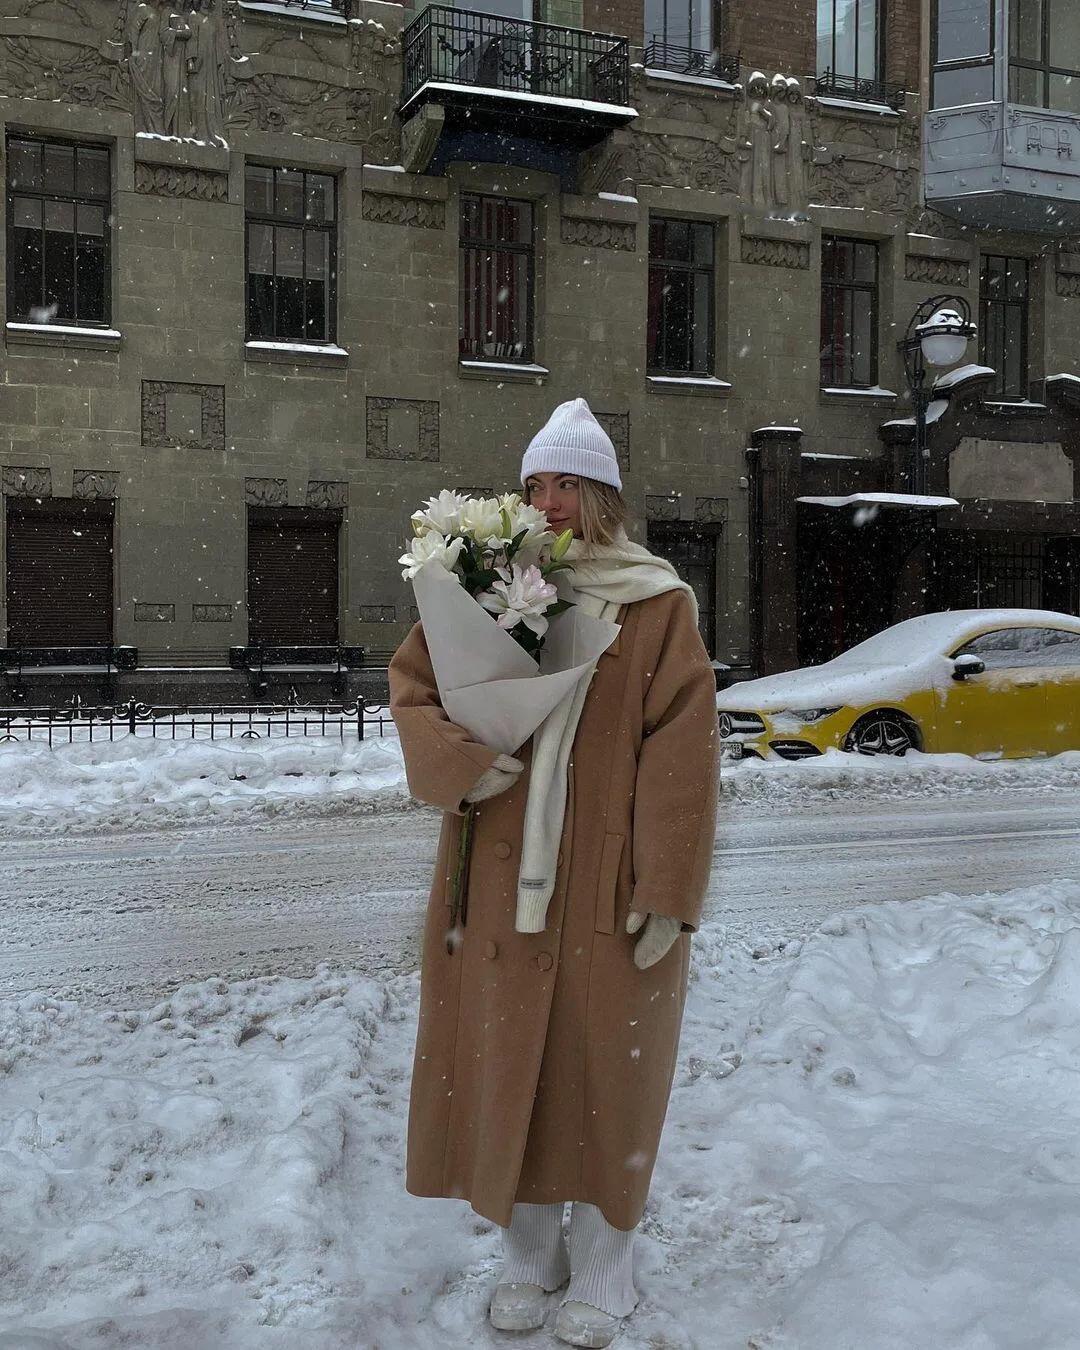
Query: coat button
pixel 502 849
pixel 544 961
pixel 491 951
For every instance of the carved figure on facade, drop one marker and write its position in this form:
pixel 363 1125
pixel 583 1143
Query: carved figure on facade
pixel 800 145
pixel 179 59
pixel 760 119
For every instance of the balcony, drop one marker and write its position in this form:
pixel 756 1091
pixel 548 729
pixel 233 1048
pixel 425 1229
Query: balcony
pixel 856 90
pixel 515 78
pixel 692 61
pixel 1001 143
pixel 1004 166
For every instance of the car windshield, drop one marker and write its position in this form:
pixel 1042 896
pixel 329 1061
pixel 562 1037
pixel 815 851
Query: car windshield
pixel 911 640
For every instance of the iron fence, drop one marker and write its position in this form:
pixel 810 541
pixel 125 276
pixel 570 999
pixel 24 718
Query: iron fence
pixel 81 723
pixel 713 65
pixel 832 85
pixel 517 56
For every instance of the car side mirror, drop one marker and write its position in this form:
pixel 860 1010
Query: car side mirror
pixel 967 664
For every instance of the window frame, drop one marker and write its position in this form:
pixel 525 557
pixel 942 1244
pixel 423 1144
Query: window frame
pixel 708 12
pixel 661 534
pixel 877 75
pixel 1024 305
pixel 261 218
pixel 982 60
pixel 678 265
pixel 75 198
pixel 1043 66
pixel 874 290
pixel 527 249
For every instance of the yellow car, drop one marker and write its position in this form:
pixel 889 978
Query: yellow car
pixel 996 683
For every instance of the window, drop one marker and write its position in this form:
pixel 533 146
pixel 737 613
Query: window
pixel 691 549
pixel 59 572
pixel 685 24
pixel 849 41
pixel 963 57
pixel 497 268
pixel 681 297
pixel 1003 322
pixel 849 302
pixel 58 197
pixel 1017 648
pixel 292 590
pixel 291 255
pixel 1044 54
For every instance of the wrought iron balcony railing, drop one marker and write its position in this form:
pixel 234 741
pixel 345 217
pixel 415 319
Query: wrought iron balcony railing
pixel 714 65
pixel 832 85
pixel 514 56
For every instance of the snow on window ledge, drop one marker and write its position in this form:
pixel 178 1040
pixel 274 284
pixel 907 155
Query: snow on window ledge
pixel 855 105
pixel 875 391
pixel 319 10
pixel 504 371
pixel 64 335
pixel 693 81
pixel 687 384
pixel 297 353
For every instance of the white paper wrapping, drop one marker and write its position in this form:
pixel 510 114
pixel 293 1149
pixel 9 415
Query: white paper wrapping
pixel 487 683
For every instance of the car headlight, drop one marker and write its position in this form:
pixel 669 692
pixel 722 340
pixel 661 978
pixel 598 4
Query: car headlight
pixel 811 714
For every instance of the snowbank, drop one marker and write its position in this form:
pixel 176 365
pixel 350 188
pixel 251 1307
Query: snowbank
pixel 836 775
pixel 135 780
pixel 872 1145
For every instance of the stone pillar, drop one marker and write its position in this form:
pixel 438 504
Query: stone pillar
pixel 775 474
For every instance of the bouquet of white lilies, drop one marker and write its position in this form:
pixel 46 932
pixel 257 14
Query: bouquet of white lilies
pixel 507 643
pixel 503 553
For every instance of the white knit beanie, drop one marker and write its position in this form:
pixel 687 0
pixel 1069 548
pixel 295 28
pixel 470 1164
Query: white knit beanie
pixel 572 441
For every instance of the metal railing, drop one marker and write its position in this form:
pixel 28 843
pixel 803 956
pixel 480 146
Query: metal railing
pixel 832 85
pixel 713 65
pixel 79 723
pixel 458 46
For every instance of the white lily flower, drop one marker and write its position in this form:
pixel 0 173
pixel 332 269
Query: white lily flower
pixel 521 599
pixel 481 518
pixel 430 547
pixel 441 513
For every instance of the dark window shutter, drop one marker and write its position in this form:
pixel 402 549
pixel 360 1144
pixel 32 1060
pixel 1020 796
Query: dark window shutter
pixel 59 574
pixel 292 577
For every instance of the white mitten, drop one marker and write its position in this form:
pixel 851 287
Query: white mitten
pixel 502 775
pixel 656 941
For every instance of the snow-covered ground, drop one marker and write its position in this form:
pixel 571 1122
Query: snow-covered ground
pixel 873 1135
pixel 873 1144
pixel 135 781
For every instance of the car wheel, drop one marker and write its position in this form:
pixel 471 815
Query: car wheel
pixel 883 733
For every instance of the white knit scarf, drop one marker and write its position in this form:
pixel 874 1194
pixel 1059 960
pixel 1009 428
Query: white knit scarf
pixel 604 577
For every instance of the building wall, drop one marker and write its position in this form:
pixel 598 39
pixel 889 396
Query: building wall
pixel 315 94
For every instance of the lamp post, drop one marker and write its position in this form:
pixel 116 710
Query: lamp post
pixel 938 335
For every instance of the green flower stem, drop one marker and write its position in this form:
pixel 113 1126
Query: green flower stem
pixel 460 879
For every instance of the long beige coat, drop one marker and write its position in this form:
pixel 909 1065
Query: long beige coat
pixel 544 1061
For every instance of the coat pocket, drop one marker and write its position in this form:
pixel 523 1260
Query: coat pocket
pixel 610 859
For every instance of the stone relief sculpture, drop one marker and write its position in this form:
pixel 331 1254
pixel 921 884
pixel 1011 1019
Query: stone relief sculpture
pixel 178 59
pixel 781 138
pixel 759 135
pixel 800 146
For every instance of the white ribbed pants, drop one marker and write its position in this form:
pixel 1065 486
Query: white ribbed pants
pixel 600 1263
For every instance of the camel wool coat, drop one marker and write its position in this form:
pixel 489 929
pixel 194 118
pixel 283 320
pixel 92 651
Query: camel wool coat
pixel 544 1061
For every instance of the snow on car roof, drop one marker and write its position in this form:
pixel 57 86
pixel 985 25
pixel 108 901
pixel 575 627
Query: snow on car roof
pixel 910 639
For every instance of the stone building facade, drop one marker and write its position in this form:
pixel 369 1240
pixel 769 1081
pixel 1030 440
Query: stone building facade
pixel 288 346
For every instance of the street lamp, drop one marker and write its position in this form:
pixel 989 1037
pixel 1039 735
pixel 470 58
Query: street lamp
pixel 938 335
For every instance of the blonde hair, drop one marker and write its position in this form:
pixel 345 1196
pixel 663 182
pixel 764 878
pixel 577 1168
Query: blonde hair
pixel 602 508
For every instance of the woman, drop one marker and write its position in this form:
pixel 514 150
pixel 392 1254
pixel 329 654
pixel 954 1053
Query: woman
pixel 548 1036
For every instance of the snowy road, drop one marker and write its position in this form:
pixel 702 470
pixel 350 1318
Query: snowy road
pixel 126 916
